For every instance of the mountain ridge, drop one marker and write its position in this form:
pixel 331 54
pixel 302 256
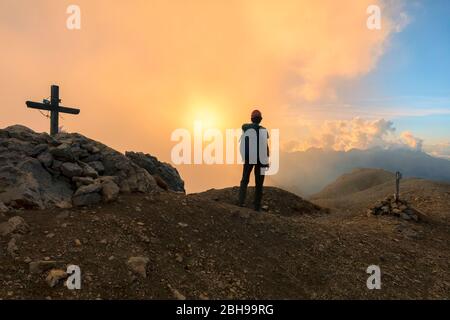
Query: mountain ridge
pixel 431 197
pixel 307 172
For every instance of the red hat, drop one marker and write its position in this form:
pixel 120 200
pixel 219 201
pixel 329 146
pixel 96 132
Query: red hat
pixel 256 114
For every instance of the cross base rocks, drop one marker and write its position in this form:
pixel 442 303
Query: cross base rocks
pixel 390 207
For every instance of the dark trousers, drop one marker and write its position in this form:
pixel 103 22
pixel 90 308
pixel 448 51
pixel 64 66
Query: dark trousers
pixel 259 181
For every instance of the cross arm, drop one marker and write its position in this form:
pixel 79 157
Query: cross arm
pixel 37 105
pixel 69 110
pixel 48 107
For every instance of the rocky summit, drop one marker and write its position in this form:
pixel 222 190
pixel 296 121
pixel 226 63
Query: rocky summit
pixel 39 171
pixel 130 231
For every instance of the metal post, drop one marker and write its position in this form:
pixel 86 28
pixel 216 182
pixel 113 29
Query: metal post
pixel 54 113
pixel 398 176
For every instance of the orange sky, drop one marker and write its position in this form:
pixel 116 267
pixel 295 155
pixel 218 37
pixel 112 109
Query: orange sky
pixel 140 69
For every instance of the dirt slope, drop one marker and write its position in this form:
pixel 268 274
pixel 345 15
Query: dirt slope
pixel 203 248
pixel 355 181
pixel 275 200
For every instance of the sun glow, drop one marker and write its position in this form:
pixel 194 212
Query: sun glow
pixel 207 118
pixel 207 111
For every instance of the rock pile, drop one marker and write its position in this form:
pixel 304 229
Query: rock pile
pixel 399 208
pixel 158 169
pixel 40 171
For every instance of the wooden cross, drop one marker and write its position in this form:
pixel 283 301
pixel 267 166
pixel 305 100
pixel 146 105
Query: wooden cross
pixel 54 108
pixel 398 176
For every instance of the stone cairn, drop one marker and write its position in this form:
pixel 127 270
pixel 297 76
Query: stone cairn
pixel 391 207
pixel 394 206
pixel 39 171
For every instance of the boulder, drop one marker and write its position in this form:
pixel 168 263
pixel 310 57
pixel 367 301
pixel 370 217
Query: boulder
pixel 160 182
pixel 46 159
pixel 40 148
pixel 91 148
pixel 62 153
pixel 110 190
pixel 14 225
pixel 82 181
pixel 78 152
pixel 88 171
pixel 87 195
pixel 92 188
pixel 28 185
pixel 56 166
pixel 55 276
pixel 70 169
pixel 138 265
pixel 165 171
pixel 97 166
pixel 93 158
pixel 20 189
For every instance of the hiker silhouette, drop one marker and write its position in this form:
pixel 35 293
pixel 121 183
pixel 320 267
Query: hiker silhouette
pixel 255 154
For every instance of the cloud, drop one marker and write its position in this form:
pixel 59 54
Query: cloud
pixel 166 54
pixel 403 20
pixel 440 150
pixel 412 141
pixel 344 135
pixel 358 133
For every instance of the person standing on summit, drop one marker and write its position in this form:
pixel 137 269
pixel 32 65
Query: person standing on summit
pixel 254 149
